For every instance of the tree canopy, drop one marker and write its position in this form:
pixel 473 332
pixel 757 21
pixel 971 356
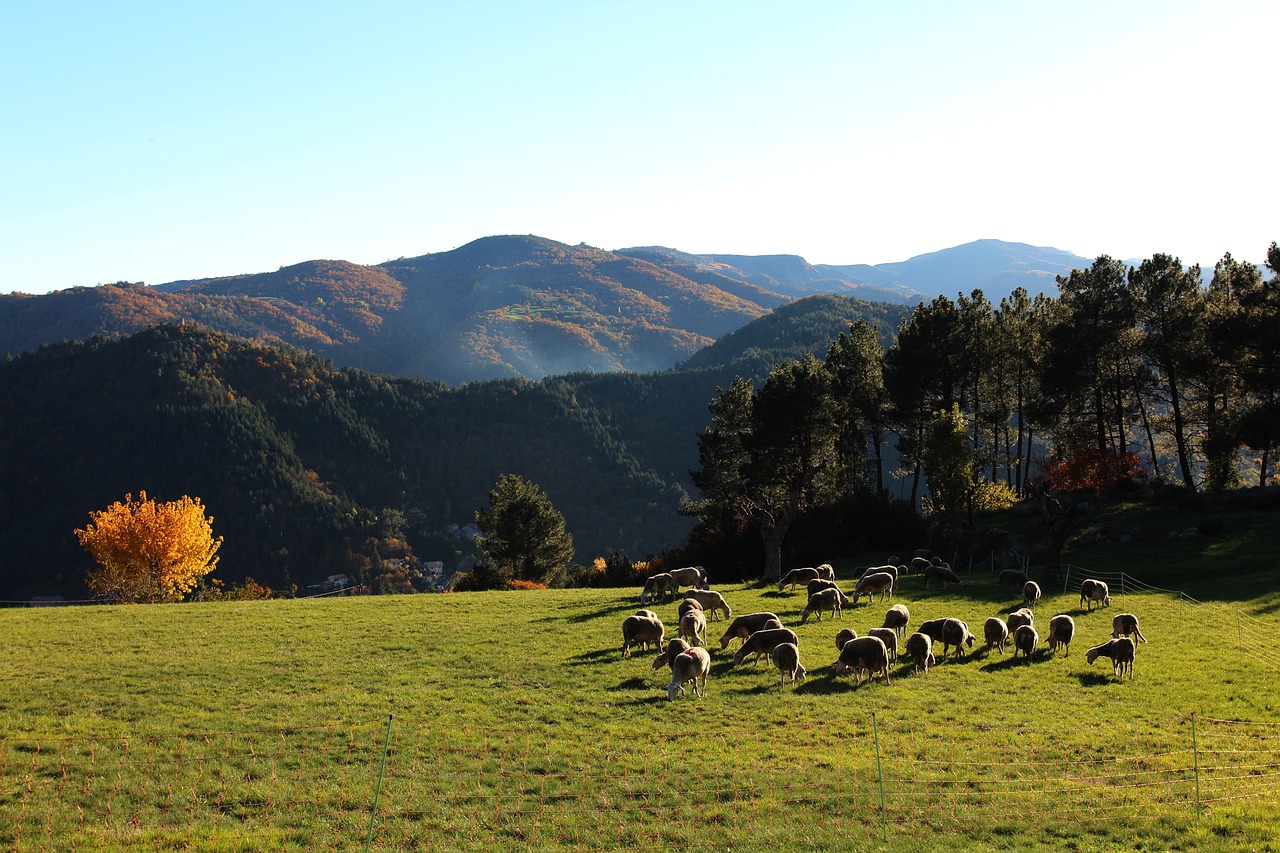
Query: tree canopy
pixel 521 533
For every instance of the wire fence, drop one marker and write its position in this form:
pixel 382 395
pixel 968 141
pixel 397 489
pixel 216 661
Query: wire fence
pixel 400 784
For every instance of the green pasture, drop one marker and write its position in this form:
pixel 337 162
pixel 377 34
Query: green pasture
pixel 513 720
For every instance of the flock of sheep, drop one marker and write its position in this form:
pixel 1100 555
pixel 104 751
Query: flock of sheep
pixel 763 634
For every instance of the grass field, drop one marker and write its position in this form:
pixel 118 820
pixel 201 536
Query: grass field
pixel 512 721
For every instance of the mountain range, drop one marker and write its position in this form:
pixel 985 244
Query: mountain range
pixel 509 306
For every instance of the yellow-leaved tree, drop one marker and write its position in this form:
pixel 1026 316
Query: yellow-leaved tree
pixel 149 551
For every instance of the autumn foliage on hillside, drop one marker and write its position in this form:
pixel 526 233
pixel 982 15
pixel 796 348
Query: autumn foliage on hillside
pixel 1094 469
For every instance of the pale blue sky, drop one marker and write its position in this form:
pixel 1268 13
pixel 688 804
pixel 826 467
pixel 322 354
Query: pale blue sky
pixel 157 141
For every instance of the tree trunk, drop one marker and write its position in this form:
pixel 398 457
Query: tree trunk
pixel 773 530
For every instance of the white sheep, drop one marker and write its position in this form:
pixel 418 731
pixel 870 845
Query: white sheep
pixel 786 657
pixel 692 576
pixel 687 604
pixel 641 630
pixel 762 643
pixel 1094 590
pixel 648 614
pixel 1030 594
pixel 1025 640
pixel 996 633
pixel 692 665
pixel 1124 625
pixel 1121 653
pixel 660 584
pixel 1061 629
pixel 870 584
pixel 667 655
pixel 796 577
pixel 828 599
pixel 932 628
pixel 843 636
pixel 711 601
pixel 745 625
pixel 693 626
pixel 818 585
pixel 897 618
pixel 826 572
pixel 942 573
pixel 1018 618
pixel 863 654
pixel 887 569
pixel 1015 578
pixel 920 647
pixel 956 633
pixel 890 639
pixel 919 564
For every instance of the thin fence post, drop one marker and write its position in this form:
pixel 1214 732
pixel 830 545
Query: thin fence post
pixel 1195 752
pixel 377 793
pixel 884 817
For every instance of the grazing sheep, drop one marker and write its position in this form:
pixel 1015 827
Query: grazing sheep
pixel 797 576
pixel 818 585
pixel 647 613
pixel 925 553
pixel 1125 624
pixel 920 647
pixel 897 618
pixel 879 582
pixel 693 625
pixel 641 630
pixel 1012 577
pixel 956 633
pixel 1018 618
pixel 863 654
pixel 932 628
pixel 828 599
pixel 660 584
pixel 1061 629
pixel 942 573
pixel 1094 590
pixel 1120 651
pixel 996 633
pixel 692 665
pixel 919 564
pixel 826 572
pixel 747 624
pixel 692 576
pixel 1025 640
pixel 890 639
pixel 763 642
pixel 674 647
pixel 711 601
pixel 843 636
pixel 886 569
pixel 786 657
pixel 687 604
pixel 1030 594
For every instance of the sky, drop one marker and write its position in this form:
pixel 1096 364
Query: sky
pixel 160 141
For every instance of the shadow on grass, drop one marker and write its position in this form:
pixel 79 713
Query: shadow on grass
pixel 1094 679
pixel 594 658
pixel 1010 662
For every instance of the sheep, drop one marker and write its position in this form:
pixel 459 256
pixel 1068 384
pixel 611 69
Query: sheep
pixel 763 642
pixel 1025 640
pixel 828 599
pixel 797 576
pixel 879 582
pixel 1119 650
pixel 786 657
pixel 1061 629
pixel 897 617
pixel 692 665
pixel 687 604
pixel 1125 624
pixel 925 553
pixel 843 636
pixel 818 585
pixel 886 569
pixel 745 625
pixel 863 654
pixel 660 584
pixel 920 647
pixel 826 572
pixel 1012 577
pixel 668 655
pixel 1018 618
pixel 691 576
pixel 996 633
pixel 956 633
pixel 641 630
pixel 932 628
pixel 890 639
pixel 647 613
pixel 693 625
pixel 1030 594
pixel 942 573
pixel 918 565
pixel 711 601
pixel 1094 590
